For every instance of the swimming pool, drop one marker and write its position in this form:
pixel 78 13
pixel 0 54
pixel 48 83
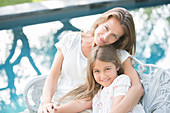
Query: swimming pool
pixel 28 51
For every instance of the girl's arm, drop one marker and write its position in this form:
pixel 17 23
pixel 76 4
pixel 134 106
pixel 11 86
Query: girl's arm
pixel 135 92
pixel 51 83
pixel 74 106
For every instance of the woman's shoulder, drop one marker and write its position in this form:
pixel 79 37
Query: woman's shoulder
pixel 122 52
pixel 68 40
pixel 122 55
pixel 69 35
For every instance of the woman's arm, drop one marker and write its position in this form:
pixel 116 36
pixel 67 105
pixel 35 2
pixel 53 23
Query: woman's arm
pixel 135 92
pixel 51 83
pixel 116 102
pixel 74 106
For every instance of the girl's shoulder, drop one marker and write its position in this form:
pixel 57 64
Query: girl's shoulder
pixel 120 85
pixel 122 77
pixel 121 80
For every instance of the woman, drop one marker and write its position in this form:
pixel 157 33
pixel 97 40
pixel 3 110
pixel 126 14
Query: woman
pixel 116 27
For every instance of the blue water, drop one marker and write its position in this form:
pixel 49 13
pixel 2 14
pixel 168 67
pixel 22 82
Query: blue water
pixel 29 51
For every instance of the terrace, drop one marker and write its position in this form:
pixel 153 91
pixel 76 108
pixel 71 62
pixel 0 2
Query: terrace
pixel 29 32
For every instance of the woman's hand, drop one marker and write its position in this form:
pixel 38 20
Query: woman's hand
pixel 47 107
pixel 51 84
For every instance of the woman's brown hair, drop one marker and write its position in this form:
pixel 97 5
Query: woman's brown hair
pixel 128 40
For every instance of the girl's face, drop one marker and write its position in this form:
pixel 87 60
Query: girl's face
pixel 104 72
pixel 108 32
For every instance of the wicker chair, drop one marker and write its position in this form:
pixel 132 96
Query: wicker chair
pixel 156 85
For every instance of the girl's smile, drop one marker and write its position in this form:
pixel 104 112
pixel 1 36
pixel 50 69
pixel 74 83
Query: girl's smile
pixel 104 72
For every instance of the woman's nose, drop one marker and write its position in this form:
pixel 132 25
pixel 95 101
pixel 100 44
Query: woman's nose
pixel 106 36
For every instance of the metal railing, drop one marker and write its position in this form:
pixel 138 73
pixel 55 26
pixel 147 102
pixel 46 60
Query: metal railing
pixel 71 11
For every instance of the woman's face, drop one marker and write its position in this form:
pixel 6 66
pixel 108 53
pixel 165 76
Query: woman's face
pixel 108 32
pixel 104 72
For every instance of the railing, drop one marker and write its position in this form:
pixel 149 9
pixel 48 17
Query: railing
pixel 8 21
pixel 16 21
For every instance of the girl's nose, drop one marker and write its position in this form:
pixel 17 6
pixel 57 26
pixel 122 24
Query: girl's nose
pixel 103 76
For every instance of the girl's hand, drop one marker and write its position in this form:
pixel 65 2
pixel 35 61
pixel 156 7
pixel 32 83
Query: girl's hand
pixel 48 107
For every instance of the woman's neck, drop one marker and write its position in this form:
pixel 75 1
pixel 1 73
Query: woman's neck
pixel 87 42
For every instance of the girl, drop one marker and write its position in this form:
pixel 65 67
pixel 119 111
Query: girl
pixel 68 70
pixel 106 85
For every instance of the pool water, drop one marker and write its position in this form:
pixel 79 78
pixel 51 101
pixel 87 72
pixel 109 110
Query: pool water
pixel 29 51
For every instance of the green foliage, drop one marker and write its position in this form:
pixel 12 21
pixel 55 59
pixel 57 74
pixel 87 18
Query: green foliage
pixel 148 11
pixel 168 18
pixel 14 2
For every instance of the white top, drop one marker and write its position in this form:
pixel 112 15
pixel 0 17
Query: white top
pixel 73 72
pixel 103 100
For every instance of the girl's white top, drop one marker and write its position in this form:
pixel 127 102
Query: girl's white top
pixel 73 72
pixel 103 100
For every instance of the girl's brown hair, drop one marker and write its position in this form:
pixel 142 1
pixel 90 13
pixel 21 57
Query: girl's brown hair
pixel 90 88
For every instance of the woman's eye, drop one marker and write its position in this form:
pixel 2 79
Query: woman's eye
pixel 115 36
pixel 106 27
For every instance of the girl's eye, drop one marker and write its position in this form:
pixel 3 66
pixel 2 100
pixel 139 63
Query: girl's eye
pixel 107 68
pixel 95 71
